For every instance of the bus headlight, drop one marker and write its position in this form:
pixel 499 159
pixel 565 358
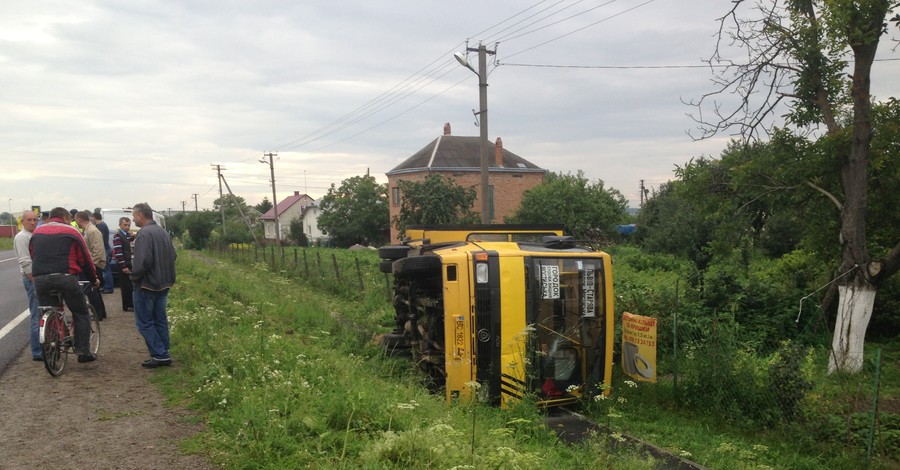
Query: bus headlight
pixel 481 273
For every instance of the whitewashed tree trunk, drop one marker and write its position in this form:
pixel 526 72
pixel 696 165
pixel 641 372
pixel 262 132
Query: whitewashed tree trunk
pixel 854 311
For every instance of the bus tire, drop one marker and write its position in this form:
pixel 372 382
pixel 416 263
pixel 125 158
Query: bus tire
pixel 393 252
pixel 417 265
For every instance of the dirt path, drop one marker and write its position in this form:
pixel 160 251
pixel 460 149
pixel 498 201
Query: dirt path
pixel 105 414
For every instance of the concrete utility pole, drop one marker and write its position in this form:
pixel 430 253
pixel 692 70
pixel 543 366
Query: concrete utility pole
pixel 483 112
pixel 195 203
pixel 271 163
pixel 182 206
pixel 221 200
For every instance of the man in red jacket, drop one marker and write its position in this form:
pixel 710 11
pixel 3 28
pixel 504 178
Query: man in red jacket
pixel 58 257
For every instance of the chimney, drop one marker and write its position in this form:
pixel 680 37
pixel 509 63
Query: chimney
pixel 296 193
pixel 446 128
pixel 498 152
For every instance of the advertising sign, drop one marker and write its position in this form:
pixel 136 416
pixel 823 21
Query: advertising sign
pixel 639 347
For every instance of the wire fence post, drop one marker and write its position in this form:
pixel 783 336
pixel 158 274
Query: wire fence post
pixel 871 441
pixel 319 263
pixel 305 264
pixel 675 349
pixel 337 272
pixel 362 285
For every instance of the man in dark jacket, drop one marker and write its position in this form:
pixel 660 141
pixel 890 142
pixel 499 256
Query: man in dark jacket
pixel 58 257
pixel 122 255
pixel 152 273
pixel 107 271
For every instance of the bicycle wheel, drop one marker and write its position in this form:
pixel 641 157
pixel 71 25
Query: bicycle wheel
pixel 55 352
pixel 95 330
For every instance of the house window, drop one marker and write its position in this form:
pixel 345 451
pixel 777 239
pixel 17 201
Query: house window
pixel 395 196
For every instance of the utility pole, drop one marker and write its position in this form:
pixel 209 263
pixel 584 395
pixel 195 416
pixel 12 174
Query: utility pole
pixel 642 194
pixel 195 203
pixel 241 211
pixel 182 206
pixel 271 156
pixel 221 200
pixel 483 112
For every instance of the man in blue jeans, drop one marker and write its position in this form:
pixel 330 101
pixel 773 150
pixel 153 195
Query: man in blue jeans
pixel 152 273
pixel 21 243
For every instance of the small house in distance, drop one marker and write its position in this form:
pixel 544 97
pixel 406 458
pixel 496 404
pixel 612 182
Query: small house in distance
pixel 290 208
pixel 459 158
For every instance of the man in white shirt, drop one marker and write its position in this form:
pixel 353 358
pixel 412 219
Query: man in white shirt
pixel 20 244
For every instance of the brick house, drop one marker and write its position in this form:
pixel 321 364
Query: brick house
pixel 290 208
pixel 459 158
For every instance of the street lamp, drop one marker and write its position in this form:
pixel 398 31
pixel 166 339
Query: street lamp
pixel 482 111
pixel 274 199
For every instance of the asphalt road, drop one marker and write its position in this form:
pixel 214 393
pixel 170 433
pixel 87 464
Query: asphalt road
pixel 14 318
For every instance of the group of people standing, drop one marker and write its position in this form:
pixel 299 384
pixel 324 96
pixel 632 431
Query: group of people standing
pixel 55 255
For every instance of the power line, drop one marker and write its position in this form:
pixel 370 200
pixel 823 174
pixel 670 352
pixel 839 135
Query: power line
pixel 582 28
pixel 626 67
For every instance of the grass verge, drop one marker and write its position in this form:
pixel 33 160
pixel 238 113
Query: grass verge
pixel 286 377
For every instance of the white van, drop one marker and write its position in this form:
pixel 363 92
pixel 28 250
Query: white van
pixel 112 216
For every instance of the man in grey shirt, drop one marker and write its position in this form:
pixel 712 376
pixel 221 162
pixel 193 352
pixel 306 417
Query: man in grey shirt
pixel 20 244
pixel 152 273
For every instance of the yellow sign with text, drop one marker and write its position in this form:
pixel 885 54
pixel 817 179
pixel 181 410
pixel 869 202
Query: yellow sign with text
pixel 639 347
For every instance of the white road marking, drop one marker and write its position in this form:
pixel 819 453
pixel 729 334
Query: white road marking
pixel 7 259
pixel 14 323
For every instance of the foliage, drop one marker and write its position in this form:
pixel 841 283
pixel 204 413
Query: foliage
pixel 672 224
pixel 264 206
pixel 237 217
pixel 588 210
pixel 803 50
pixel 437 200
pixel 356 212
pixel 292 389
pixel 296 233
pixel 199 226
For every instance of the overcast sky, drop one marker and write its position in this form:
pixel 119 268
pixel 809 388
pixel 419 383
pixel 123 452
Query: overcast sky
pixel 109 103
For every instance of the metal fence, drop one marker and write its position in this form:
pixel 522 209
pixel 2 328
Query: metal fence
pixel 708 366
pixel 343 272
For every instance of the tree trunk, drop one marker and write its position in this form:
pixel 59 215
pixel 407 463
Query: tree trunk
pixel 854 311
pixel 857 293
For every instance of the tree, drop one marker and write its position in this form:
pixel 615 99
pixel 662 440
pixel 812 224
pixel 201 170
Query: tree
pixel 198 226
pixel 356 212
pixel 796 56
pixel 671 223
pixel 296 233
pixel 239 219
pixel 264 206
pixel 587 210
pixel 437 200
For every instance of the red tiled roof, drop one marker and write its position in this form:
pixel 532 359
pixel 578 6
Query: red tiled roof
pixel 283 206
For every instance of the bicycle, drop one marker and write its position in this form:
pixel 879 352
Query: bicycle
pixel 57 332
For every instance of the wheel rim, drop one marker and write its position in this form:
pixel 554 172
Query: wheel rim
pixel 95 333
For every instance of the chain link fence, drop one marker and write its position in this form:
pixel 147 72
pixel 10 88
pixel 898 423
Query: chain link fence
pixel 706 366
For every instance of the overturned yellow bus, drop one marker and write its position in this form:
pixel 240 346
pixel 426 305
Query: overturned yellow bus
pixel 500 312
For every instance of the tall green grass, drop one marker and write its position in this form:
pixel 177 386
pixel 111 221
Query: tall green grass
pixel 282 369
pixel 284 376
